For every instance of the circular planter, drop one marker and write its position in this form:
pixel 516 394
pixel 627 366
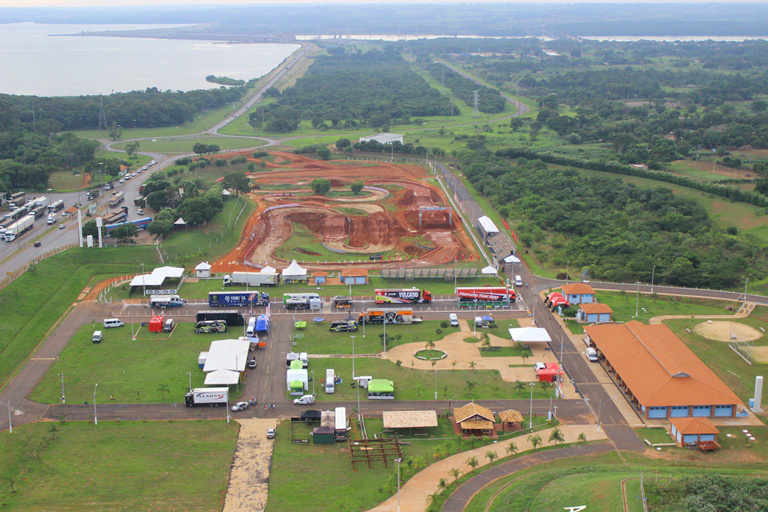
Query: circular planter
pixel 430 354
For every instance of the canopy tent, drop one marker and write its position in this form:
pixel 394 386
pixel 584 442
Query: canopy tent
pixel 489 270
pixel 381 386
pixel 294 272
pixel 556 299
pixel 222 378
pixel 227 355
pixel 311 415
pixel 487 224
pixel 180 222
pixel 296 385
pixel 158 276
pixel 318 319
pixel 293 376
pixel 529 335
pixel 296 365
pixel 268 270
pixel 488 318
pixel 512 259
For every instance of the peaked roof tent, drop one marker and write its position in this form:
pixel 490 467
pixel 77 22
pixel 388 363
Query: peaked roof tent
pixel 294 269
pixel 381 386
pixel 529 335
pixel 487 224
pixel 489 270
pixel 512 259
pixel 227 355
pixel 203 266
pixel 222 378
pixel 157 276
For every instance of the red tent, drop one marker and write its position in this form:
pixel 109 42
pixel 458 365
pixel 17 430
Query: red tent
pixel 556 299
pixel 550 372
pixel 156 324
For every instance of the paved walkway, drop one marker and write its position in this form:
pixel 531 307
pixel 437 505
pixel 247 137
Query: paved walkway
pixel 415 492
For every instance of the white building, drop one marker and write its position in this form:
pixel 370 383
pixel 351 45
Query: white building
pixel 384 138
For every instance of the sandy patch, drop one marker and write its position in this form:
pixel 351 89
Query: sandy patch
pixel 727 331
pixel 249 477
pixel 760 354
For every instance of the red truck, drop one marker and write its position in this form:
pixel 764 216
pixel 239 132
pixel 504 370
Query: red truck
pixel 403 296
pixel 486 294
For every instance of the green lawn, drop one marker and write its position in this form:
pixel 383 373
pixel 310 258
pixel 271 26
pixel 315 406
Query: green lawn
pixel 412 384
pixel 33 302
pixel 184 144
pixel 654 435
pixel 127 371
pixel 118 466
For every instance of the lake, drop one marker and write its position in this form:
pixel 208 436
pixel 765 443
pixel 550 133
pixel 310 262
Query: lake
pixel 35 62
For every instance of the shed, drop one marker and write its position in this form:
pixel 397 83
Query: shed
pixel 156 323
pixel 294 273
pixel 323 435
pixel 409 419
pixel 222 378
pixel 474 419
pixel 511 420
pixel 579 293
pixel 203 270
pixel 354 276
pixel 595 313
pixel 320 277
pixel 692 431
pixel 381 389
pixel 529 335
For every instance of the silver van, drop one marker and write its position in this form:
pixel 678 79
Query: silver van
pixel 592 354
pixel 454 319
pixel 96 337
pixel 518 281
pixel 251 329
pixel 168 326
pixel 112 322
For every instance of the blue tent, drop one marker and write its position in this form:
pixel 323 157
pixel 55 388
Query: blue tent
pixel 318 319
pixel 488 318
pixel 262 324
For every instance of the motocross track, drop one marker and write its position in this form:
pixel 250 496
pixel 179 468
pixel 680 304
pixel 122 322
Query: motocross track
pixel 285 199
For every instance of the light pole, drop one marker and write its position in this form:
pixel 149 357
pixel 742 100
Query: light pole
pixel 143 284
pixel 227 405
pixel 189 374
pixel 599 408
pixel 745 287
pixel 555 414
pixel 455 284
pixel 653 274
pixel 313 382
pixel 95 418
pixel 63 398
pixel 530 417
pixel 637 300
pixel 435 383
pixel 10 423
pixel 398 483
pixel 385 335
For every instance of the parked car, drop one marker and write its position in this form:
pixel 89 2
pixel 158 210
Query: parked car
pixel 61 226
pixel 252 363
pixel 454 319
pixel 240 406
pixel 343 326
pixel 270 433
pixel 304 400
pixel 539 367
pixel 592 355
pixel 121 181
pixel 140 211
pixel 37 244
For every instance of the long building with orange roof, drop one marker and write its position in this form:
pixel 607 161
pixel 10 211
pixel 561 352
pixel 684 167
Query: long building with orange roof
pixel 661 376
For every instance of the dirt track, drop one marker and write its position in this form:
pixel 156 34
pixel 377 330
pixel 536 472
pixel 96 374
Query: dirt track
pixel 390 222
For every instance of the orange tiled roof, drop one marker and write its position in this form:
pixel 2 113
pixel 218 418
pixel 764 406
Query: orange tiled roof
pixel 596 308
pixel 320 273
pixel 354 272
pixel 578 289
pixel 694 426
pixel 658 367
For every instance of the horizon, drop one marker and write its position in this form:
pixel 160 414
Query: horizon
pixel 69 4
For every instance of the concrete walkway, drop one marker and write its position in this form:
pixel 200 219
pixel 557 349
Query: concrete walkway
pixel 415 492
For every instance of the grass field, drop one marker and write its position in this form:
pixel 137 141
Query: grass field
pixel 79 466
pixel 33 302
pixel 184 144
pixel 123 369
pixel 623 305
pixel 412 384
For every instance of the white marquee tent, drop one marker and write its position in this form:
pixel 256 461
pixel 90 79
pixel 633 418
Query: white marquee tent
pixel 294 272
pixel 227 355
pixel 489 270
pixel 222 378
pixel 529 335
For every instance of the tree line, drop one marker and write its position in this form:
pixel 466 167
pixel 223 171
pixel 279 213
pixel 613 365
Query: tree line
pixel 489 101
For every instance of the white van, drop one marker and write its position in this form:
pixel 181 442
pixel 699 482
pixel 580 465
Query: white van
pixel 51 218
pixel 304 400
pixel 478 321
pixel 96 337
pixel 304 358
pixel 454 319
pixel 330 381
pixel 251 329
pixel 592 354
pixel 112 322
pixel 518 281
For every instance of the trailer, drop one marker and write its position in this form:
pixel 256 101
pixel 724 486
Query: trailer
pixel 341 425
pixel 56 206
pixel 41 201
pixel 301 301
pixel 207 396
pixel 237 299
pixel 18 198
pixel 252 279
pixel 139 201
pixel 139 223
pixel 39 211
pixel 231 316
pixel 18 228
pixel 116 199
pixel 402 296
pixel 485 296
pixel 166 301
pixel 387 316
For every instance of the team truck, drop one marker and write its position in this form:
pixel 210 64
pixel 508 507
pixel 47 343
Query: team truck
pixel 41 201
pixel 485 296
pixel 387 316
pixel 207 396
pixel 301 301
pixel 402 296
pixel 166 301
pixel 56 206
pixel 237 299
pixel 252 279
pixel 18 228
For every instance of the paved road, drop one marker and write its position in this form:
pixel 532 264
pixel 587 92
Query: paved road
pixel 461 497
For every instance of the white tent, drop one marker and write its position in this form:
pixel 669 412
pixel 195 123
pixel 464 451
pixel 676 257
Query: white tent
pixel 268 270
pixel 158 276
pixel 487 224
pixel 300 375
pixel 511 259
pixel 227 355
pixel 294 272
pixel 222 378
pixel 489 270
pixel 529 335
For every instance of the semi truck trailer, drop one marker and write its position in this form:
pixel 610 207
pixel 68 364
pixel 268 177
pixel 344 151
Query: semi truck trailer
pixel 301 301
pixel 402 296
pixel 497 294
pixel 252 279
pixel 237 299
pixel 18 228
pixel 387 316
pixel 207 396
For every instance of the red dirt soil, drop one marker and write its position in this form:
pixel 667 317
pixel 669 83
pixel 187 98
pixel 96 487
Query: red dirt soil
pixel 389 218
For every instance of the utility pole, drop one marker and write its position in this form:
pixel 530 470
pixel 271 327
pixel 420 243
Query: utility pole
pixel 95 418
pixel 653 274
pixel 745 287
pixel 637 301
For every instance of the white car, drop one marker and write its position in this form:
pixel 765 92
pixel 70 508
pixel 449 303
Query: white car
pixel 121 181
pixel 240 406
pixel 140 211
pixel 537 367
pixel 270 433
pixel 454 319
pixel 61 226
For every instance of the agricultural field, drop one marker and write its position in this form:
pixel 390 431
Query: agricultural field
pixel 57 466
pixel 183 144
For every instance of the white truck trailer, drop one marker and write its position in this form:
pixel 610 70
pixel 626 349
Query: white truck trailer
pixel 252 279
pixel 207 396
pixel 18 228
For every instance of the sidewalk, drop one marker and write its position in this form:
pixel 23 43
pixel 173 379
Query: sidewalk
pixel 414 494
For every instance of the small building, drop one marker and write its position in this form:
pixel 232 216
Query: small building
pixel 486 227
pixel 354 276
pixel 384 138
pixel 320 277
pixel 203 270
pixel 156 323
pixel 692 431
pixel 579 293
pixel 511 420
pixel 595 313
pixel 381 389
pixel 323 435
pixel 474 420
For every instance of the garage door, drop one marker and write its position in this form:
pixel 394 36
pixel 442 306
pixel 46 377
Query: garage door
pixel 702 411
pixel 679 411
pixel 723 411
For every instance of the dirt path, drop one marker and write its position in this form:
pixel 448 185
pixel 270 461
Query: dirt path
pixel 249 477
pixel 414 494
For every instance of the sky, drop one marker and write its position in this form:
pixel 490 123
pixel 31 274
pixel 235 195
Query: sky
pixel 110 3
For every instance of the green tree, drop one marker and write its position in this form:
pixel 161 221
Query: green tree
pixel 356 187
pixel 324 153
pixel 125 232
pixel 238 181
pixel 491 456
pixel 511 449
pixel 321 186
pixel 556 436
pixel 472 462
pixel 535 441
pixel 161 227
pixel 163 389
pixel 132 148
pixel 519 387
pixel 454 472
pixel 582 438
pixel 89 228
pixel 115 131
pixel 343 143
pixel 470 386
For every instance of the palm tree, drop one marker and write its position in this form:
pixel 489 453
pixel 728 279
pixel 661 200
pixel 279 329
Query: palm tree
pixel 472 462
pixel 470 386
pixel 472 365
pixel 520 387
pixel 453 363
pixel 163 389
pixel 491 456
pixel 511 449
pixel 454 472
pixel 486 340
pixel 582 438
pixel 442 484
pixel 430 345
pixel 535 441
pixel 556 435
